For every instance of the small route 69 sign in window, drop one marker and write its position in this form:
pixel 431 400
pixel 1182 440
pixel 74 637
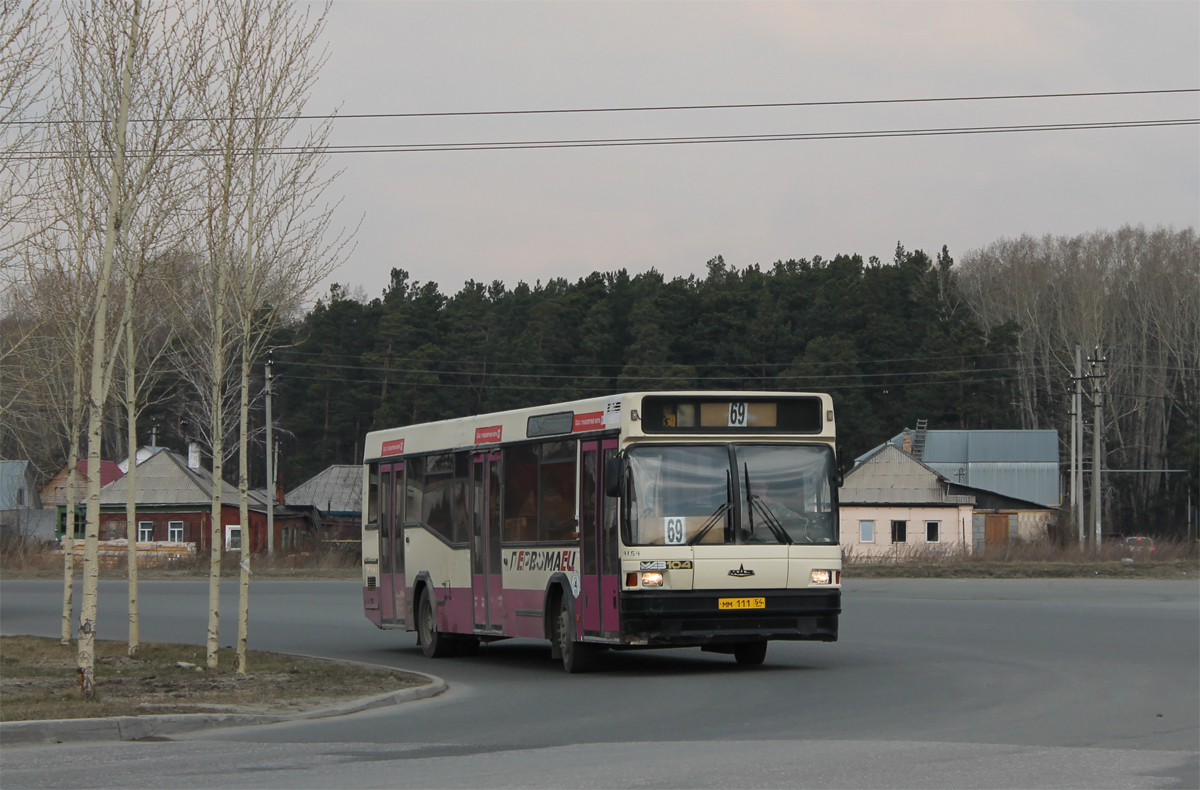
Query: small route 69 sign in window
pixel 737 415
pixel 676 531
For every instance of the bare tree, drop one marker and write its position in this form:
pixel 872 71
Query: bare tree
pixel 120 57
pixel 25 41
pixel 266 238
pixel 1132 291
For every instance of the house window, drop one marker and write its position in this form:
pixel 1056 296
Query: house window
pixel 933 531
pixel 145 531
pixel 899 532
pixel 866 532
pixel 233 537
pixel 20 497
pixel 175 531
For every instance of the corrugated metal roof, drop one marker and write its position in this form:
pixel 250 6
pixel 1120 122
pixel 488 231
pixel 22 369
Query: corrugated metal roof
pixel 1020 464
pixel 165 479
pixel 892 476
pixel 337 489
pixel 991 447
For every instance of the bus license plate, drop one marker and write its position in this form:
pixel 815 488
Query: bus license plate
pixel 741 603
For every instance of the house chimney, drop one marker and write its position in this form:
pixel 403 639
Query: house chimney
pixel 193 456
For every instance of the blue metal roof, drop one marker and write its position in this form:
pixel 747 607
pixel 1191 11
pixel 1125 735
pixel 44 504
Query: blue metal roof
pixel 1021 464
pixel 990 447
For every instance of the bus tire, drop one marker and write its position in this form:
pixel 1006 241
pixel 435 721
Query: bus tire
pixel 434 643
pixel 576 656
pixel 750 654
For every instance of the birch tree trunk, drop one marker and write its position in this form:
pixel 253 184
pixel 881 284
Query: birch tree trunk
pixel 68 542
pixel 239 662
pixel 131 527
pixel 218 454
pixel 99 391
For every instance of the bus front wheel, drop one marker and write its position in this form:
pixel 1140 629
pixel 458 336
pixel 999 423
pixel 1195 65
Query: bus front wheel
pixel 750 654
pixel 576 656
pixel 434 644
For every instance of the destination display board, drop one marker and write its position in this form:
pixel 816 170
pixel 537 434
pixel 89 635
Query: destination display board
pixel 691 414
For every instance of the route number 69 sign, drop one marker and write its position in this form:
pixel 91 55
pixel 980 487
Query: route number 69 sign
pixel 675 529
pixel 737 415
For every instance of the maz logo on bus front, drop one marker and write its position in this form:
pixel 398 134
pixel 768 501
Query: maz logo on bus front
pixel 534 560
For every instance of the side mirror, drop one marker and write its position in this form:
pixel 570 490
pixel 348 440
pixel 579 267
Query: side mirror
pixel 838 477
pixel 614 473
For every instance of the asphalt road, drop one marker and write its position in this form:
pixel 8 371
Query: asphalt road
pixel 934 683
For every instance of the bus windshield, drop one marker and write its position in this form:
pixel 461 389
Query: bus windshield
pixel 722 494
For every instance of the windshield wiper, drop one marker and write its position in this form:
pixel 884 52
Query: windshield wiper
pixel 715 518
pixel 772 523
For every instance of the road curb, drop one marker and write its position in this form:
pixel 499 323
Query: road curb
pixel 132 728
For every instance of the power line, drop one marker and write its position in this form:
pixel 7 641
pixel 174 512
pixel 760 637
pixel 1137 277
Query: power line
pixel 518 145
pixel 611 389
pixel 541 376
pixel 622 364
pixel 656 108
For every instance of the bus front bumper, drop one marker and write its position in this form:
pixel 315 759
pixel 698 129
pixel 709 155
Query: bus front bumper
pixel 693 617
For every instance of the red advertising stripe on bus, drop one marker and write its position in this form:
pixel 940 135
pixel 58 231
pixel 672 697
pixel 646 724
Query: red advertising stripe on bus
pixel 486 435
pixel 394 447
pixel 593 421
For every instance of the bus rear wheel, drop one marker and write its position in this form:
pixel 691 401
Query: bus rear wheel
pixel 576 656
pixel 750 654
pixel 434 644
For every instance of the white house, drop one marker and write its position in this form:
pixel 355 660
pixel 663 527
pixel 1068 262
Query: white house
pixel 891 503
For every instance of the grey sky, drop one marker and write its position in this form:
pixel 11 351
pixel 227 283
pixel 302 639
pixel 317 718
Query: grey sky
pixel 536 214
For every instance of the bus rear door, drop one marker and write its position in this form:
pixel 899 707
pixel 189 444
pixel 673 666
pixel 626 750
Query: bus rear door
pixel 487 583
pixel 391 544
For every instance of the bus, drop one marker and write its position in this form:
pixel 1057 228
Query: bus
pixel 631 521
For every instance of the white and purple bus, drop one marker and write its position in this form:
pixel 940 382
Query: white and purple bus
pixel 642 520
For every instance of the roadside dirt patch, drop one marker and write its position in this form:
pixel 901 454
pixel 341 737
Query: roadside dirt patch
pixel 38 680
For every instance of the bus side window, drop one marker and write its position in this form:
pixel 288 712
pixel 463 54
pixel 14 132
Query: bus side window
pixel 520 493
pixel 397 500
pixel 385 523
pixel 439 482
pixel 556 476
pixel 610 552
pixel 460 486
pixel 373 495
pixel 415 488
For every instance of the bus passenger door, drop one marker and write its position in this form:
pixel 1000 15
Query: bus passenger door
pixel 387 537
pixel 610 560
pixel 589 536
pixel 396 511
pixel 487 583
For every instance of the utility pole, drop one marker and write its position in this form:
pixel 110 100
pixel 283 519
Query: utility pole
pixel 1097 375
pixel 270 469
pixel 1077 446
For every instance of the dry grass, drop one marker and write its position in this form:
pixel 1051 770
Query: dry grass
pixel 38 680
pixel 35 561
pixel 1171 559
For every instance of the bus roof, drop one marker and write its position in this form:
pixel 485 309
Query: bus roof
pixel 565 419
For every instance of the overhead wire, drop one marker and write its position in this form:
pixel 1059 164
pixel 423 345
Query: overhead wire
pixel 543 376
pixel 649 108
pixel 622 364
pixel 617 142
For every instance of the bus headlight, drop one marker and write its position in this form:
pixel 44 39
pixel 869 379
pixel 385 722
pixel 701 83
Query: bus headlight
pixel 821 577
pixel 652 579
